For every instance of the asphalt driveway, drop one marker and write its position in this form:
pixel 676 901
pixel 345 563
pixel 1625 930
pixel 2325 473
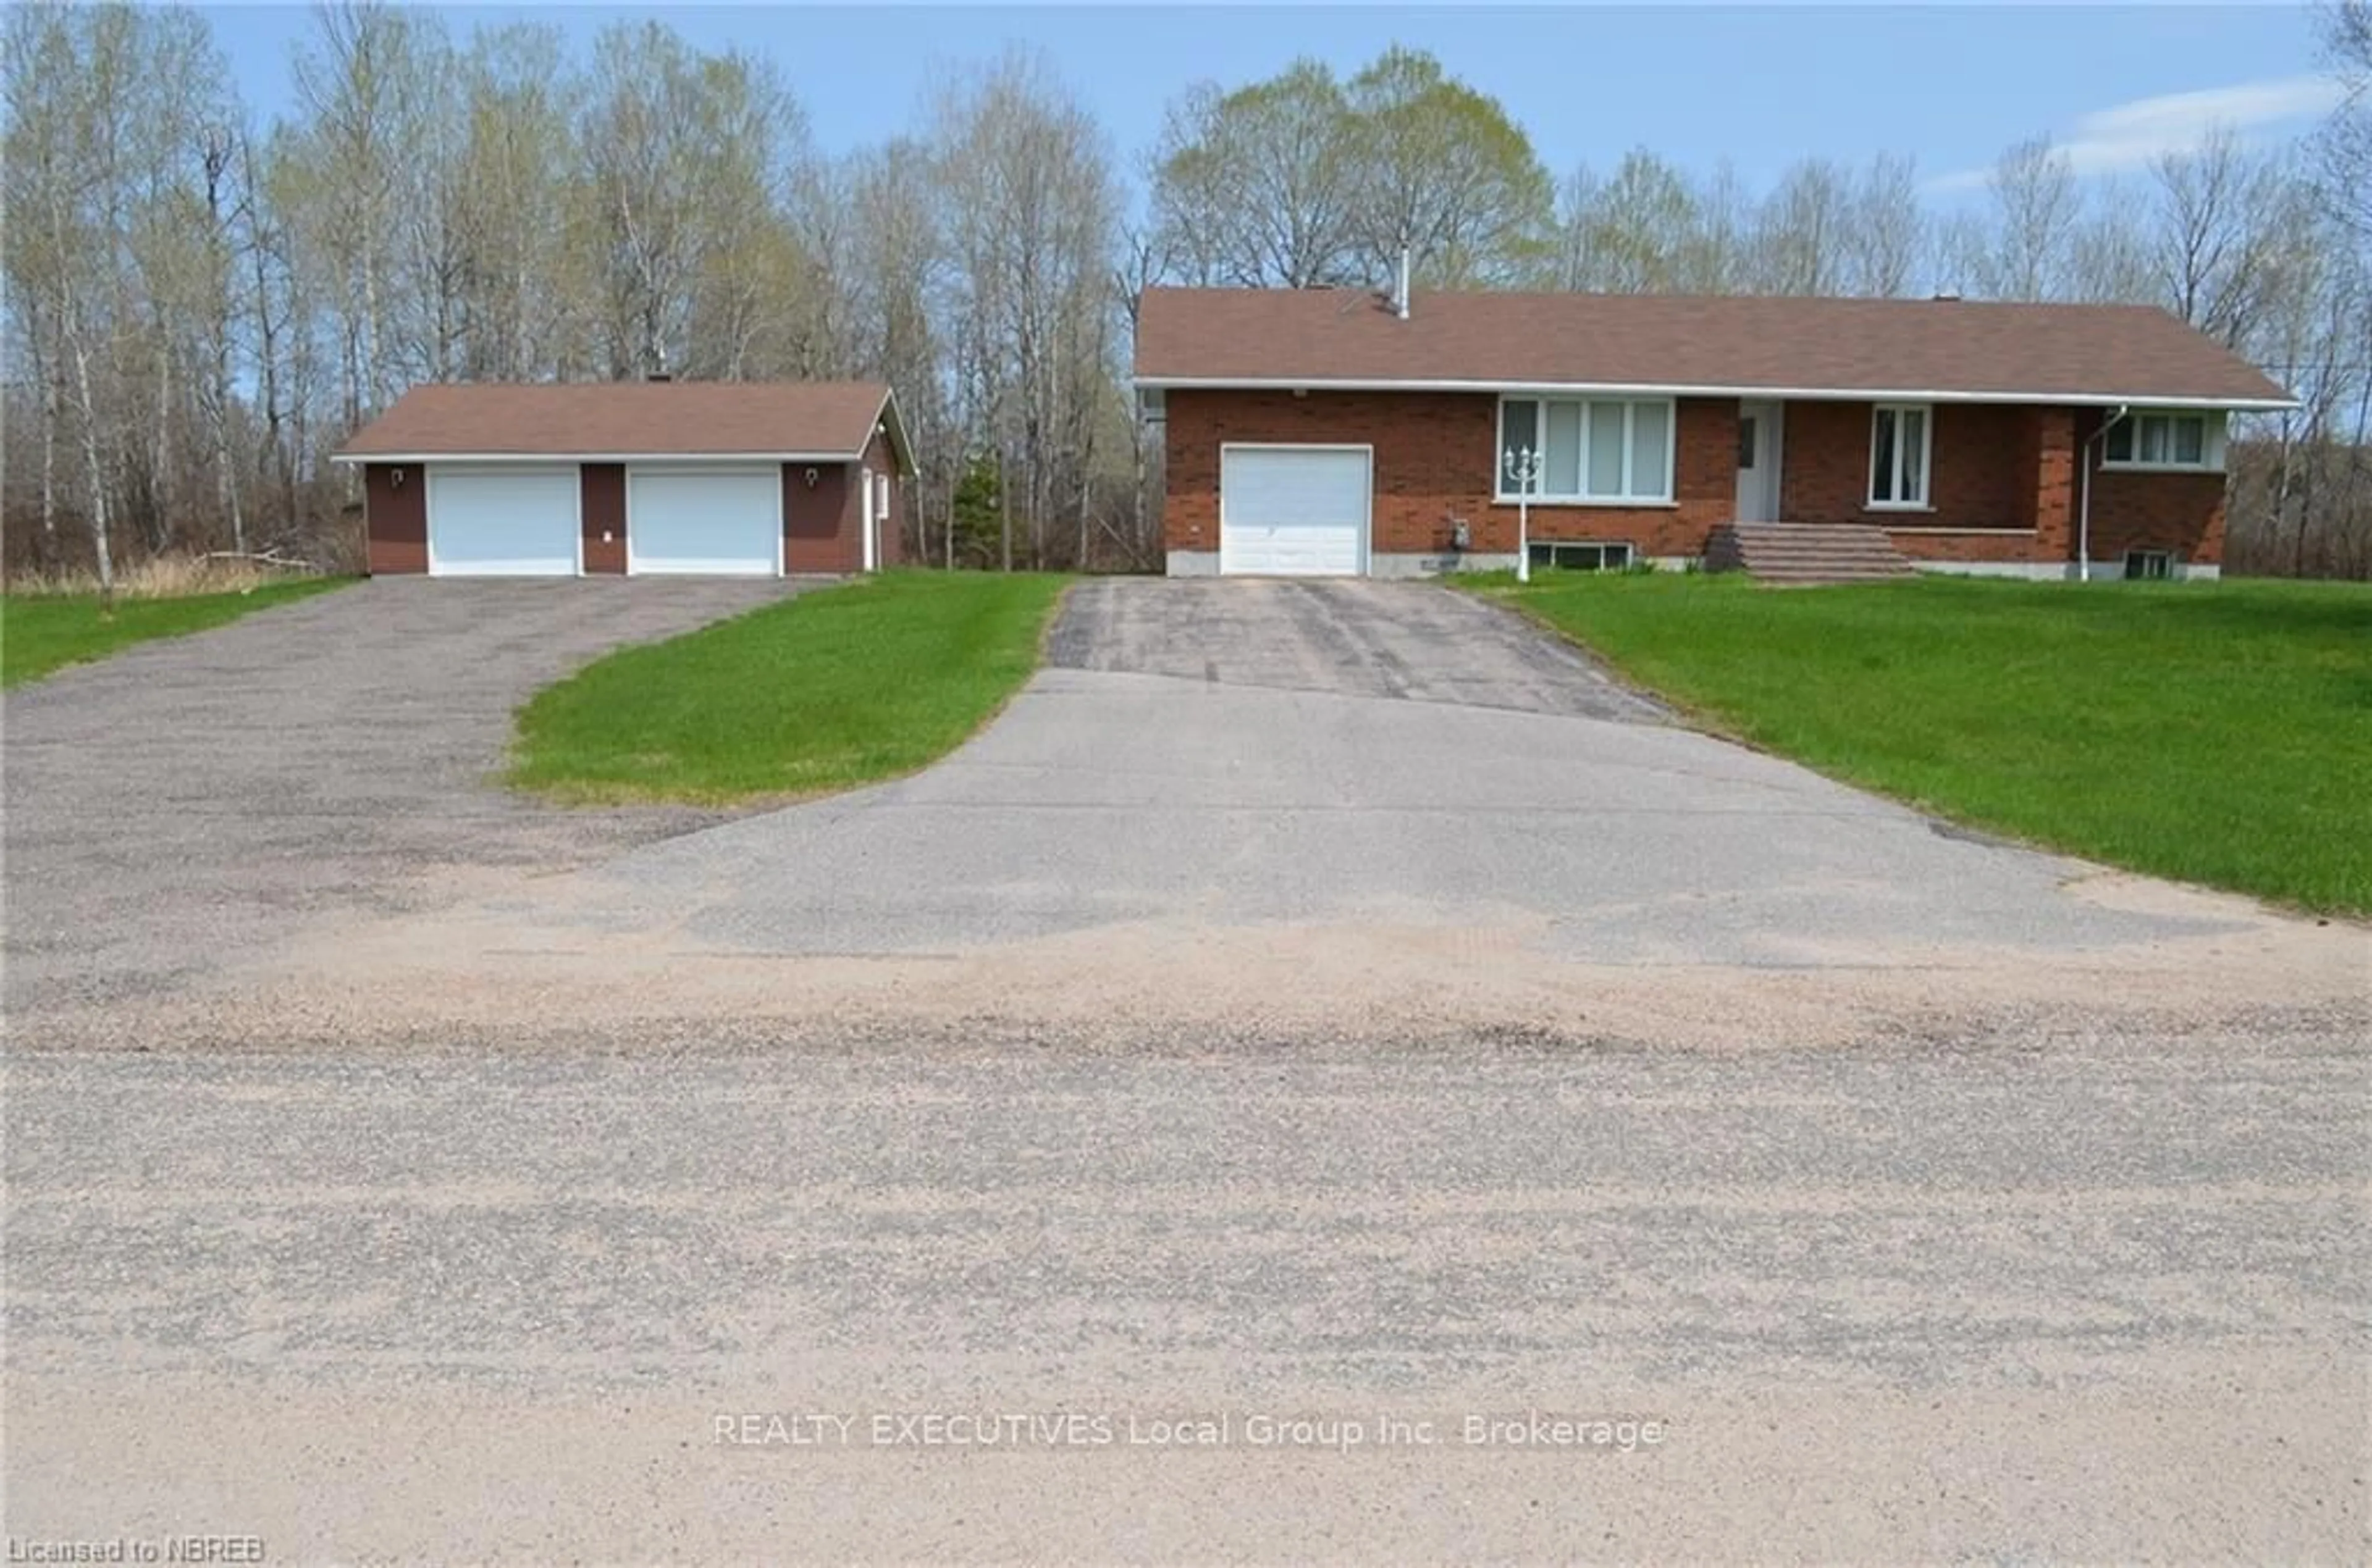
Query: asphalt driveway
pixel 1387 787
pixel 190 801
pixel 1349 639
pixel 1281 756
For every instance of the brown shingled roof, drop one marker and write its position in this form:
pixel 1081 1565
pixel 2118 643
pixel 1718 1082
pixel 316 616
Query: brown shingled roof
pixel 803 419
pixel 2075 353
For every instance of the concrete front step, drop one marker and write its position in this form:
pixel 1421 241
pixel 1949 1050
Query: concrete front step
pixel 1872 576
pixel 1777 547
pixel 1823 563
pixel 1799 553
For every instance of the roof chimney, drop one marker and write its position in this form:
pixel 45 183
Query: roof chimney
pixel 657 375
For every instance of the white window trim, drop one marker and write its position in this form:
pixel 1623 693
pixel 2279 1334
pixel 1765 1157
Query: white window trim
pixel 1926 502
pixel 2211 442
pixel 1504 496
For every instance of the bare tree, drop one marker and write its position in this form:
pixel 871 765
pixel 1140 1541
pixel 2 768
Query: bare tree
pixel 2345 144
pixel 72 77
pixel 2111 257
pixel 2218 213
pixel 637 150
pixel 1629 234
pixel 1803 230
pixel 357 83
pixel 1886 242
pixel 893 267
pixel 2024 254
pixel 37 243
pixel 218 298
pixel 519 282
pixel 1031 218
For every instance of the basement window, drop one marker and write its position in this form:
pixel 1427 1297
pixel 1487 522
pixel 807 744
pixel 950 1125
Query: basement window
pixel 2192 442
pixel 2149 566
pixel 1568 556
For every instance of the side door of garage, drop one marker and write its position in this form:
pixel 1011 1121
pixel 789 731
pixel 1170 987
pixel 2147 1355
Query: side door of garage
pixel 705 521
pixel 503 520
pixel 1294 511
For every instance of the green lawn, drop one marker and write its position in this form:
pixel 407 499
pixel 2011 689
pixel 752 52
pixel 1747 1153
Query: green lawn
pixel 2217 733
pixel 42 632
pixel 841 687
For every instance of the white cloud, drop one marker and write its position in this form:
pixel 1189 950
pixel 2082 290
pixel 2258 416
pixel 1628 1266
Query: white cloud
pixel 2128 135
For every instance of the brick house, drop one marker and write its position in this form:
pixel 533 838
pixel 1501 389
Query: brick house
pixel 1328 431
pixel 633 478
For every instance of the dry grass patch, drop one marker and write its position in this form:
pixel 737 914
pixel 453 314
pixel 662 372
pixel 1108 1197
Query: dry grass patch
pixel 161 576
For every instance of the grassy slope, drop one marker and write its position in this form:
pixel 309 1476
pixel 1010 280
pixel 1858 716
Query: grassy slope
pixel 2219 734
pixel 40 633
pixel 833 688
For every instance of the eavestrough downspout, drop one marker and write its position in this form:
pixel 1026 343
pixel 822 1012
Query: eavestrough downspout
pixel 2084 508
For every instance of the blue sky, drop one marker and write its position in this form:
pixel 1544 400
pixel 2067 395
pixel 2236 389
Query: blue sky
pixel 1760 86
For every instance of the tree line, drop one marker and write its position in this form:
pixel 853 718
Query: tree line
pixel 203 303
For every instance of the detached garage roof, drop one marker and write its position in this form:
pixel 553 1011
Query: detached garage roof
pixel 1918 350
pixel 609 421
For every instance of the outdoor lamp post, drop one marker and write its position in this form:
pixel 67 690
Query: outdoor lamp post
pixel 1524 468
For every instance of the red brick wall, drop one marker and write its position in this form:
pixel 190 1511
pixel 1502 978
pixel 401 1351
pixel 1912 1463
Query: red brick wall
pixel 1435 456
pixel 1983 458
pixel 815 535
pixel 823 528
pixel 2181 512
pixel 2051 456
pixel 395 520
pixel 1998 466
pixel 602 509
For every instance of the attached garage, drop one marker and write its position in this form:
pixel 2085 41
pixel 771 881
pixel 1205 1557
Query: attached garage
pixel 705 521
pixel 635 478
pixel 1294 511
pixel 507 521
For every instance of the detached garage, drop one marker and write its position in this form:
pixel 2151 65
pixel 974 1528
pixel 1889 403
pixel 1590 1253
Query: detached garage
pixel 640 479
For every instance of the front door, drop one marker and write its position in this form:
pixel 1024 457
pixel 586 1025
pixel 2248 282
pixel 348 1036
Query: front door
pixel 1758 435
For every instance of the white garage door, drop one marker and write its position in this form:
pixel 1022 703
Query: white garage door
pixel 718 522
pixel 1294 511
pixel 501 522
